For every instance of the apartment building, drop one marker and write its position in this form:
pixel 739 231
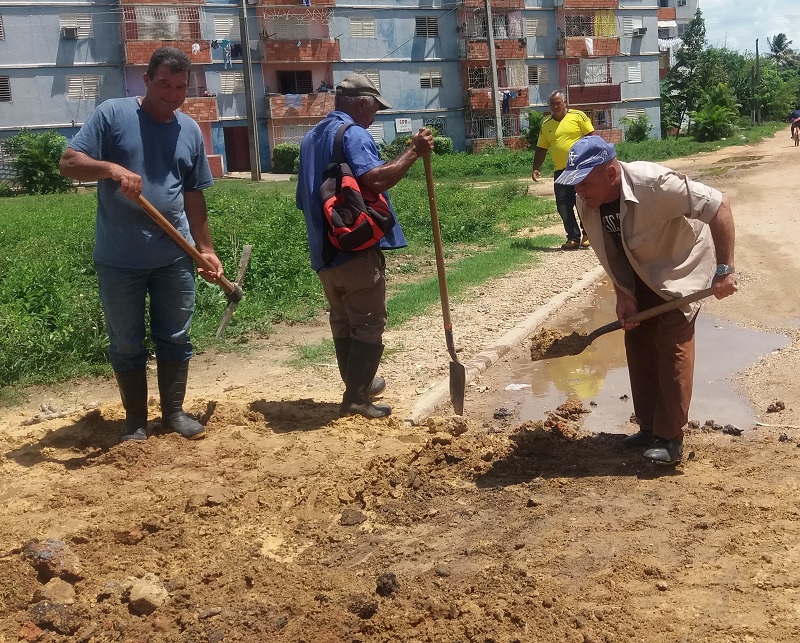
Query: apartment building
pixel 432 61
pixel 673 19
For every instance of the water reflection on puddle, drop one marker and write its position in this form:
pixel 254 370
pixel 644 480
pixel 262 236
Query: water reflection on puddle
pixel 599 374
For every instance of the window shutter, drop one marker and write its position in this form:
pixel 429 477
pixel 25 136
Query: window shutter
pixel 80 21
pixel 535 27
pixel 362 27
pixel 634 112
pixel 376 131
pixel 5 89
pixel 537 75
pixel 226 28
pixel 231 82
pixel 430 78
pixel 635 72
pixel 374 76
pixel 2 31
pixel 630 24
pixel 427 27
pixel 83 87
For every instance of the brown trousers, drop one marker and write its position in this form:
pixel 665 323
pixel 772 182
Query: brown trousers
pixel 660 354
pixel 356 294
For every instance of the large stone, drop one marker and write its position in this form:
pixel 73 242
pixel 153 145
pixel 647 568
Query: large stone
pixel 56 591
pixel 146 595
pixel 53 558
pixel 52 616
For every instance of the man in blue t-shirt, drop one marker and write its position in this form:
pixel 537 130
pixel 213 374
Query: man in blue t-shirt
pixel 354 282
pixel 144 145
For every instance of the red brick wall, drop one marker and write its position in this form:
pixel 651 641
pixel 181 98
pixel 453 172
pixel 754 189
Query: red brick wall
pixel 610 135
pixel 576 47
pixel 183 3
pixel 515 143
pixel 666 13
pixel 593 94
pixel 202 109
pixel 503 49
pixel 138 52
pixel 481 99
pixel 308 51
pixel 215 162
pixel 496 4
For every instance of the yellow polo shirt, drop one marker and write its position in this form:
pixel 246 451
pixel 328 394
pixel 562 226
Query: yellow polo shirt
pixel 559 136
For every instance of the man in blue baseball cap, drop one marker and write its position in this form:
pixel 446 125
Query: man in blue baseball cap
pixel 659 236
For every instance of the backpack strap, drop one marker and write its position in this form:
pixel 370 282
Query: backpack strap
pixel 338 143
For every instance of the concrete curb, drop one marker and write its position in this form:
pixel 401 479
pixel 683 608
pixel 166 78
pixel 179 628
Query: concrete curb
pixel 440 393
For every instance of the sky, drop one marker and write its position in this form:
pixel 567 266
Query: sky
pixel 736 24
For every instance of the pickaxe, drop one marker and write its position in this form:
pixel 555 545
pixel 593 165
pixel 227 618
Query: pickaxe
pixel 232 290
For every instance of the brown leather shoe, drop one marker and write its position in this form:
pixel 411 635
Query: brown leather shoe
pixel 571 244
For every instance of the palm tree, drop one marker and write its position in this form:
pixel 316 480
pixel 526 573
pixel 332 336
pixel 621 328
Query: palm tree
pixel 784 56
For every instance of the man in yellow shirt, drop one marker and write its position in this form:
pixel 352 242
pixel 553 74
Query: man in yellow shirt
pixel 559 132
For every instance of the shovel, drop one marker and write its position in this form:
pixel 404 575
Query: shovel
pixel 232 289
pixel 458 373
pixel 546 346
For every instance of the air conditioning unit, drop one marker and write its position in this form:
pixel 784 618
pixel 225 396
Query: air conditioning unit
pixel 69 33
pixel 641 31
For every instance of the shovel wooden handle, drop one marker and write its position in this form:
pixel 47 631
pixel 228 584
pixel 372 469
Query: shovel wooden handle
pixel 232 290
pixel 655 311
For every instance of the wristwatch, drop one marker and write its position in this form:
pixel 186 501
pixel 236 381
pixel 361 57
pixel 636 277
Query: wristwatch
pixel 724 269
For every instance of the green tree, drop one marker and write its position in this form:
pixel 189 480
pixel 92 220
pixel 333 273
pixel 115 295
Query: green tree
pixel 531 132
pixel 637 129
pixel 781 53
pixel 717 117
pixel 685 81
pixel 35 161
pixel 776 95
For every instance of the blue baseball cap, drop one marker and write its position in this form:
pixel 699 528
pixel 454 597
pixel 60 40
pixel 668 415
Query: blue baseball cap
pixel 585 155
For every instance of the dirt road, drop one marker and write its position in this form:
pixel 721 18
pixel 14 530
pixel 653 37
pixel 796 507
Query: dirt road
pixel 286 524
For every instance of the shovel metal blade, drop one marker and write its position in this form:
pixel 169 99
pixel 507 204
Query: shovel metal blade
pixel 458 386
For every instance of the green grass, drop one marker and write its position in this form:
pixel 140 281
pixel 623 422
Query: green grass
pixel 51 322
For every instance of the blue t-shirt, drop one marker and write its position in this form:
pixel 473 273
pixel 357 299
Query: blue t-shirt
pixel 316 151
pixel 171 159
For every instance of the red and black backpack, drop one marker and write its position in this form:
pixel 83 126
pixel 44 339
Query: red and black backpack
pixel 354 217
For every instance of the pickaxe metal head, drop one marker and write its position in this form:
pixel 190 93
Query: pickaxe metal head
pixel 235 294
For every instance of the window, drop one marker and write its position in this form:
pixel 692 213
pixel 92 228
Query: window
pixel 682 28
pixel 537 75
pixel 362 27
pixel 295 133
pixel 289 28
pixel 631 24
pixel 83 87
pixel 2 31
pixel 295 82
pixel 163 23
pixel 427 27
pixel 439 123
pixel 374 76
pixel 5 89
pixel 376 131
pixel 80 21
pixel 601 118
pixel 634 112
pixel 663 33
pixel 479 77
pixel 226 28
pixel 535 27
pixel 663 4
pixel 580 24
pixel 635 72
pixel 231 82
pixel 430 77
pixel 589 71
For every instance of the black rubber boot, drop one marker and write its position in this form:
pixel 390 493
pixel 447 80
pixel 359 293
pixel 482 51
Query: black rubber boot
pixel 361 368
pixel 133 391
pixel 172 377
pixel 343 347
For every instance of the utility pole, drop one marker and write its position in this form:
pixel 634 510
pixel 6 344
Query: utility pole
pixel 757 87
pixel 498 119
pixel 252 126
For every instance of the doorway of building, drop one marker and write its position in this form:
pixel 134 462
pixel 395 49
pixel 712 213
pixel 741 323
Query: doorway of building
pixel 237 149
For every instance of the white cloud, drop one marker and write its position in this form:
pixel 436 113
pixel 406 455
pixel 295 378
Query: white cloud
pixel 736 24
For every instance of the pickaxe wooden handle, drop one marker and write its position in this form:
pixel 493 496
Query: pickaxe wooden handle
pixel 231 289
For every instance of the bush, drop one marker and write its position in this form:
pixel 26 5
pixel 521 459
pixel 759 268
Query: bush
pixel 283 158
pixel 531 133
pixel 389 151
pixel 637 129
pixel 5 189
pixel 442 145
pixel 35 161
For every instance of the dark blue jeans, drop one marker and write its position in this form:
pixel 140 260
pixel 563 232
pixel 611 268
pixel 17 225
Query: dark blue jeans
pixel 123 293
pixel 565 204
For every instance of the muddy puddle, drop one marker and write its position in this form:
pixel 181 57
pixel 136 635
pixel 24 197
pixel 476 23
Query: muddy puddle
pixel 522 390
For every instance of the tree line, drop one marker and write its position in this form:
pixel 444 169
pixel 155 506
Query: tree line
pixel 710 91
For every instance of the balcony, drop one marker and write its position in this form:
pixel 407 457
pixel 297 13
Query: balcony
pixel 590 4
pixel 504 49
pixel 289 4
pixel 299 105
pixel 138 52
pixel 289 51
pixel 666 13
pixel 593 94
pixel 203 109
pixel 576 47
pixel 481 99
pixel 497 5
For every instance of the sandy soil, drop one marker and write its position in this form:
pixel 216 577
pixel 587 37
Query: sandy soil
pixel 287 524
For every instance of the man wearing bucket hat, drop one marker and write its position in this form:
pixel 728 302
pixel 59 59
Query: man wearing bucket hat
pixel 659 236
pixel 354 281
